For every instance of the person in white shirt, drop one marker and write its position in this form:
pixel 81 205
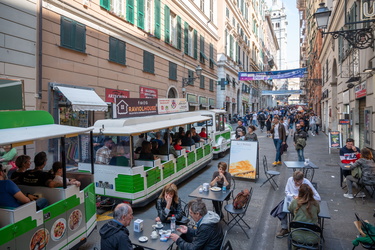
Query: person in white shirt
pixel 255 119
pixel 312 123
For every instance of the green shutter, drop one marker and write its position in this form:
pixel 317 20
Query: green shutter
pixel 195 44
pixel 105 4
pixel 113 49
pixel 231 46
pixel 167 22
pixel 130 11
pixel 186 38
pixel 121 52
pixel 179 33
pixel 80 37
pixel 157 18
pixel 141 15
pixel 66 32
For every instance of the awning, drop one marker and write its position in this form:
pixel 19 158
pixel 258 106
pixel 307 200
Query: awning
pixel 83 99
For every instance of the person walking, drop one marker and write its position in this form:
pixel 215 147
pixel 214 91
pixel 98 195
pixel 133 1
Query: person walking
pixel 300 138
pixel 262 121
pixel 279 137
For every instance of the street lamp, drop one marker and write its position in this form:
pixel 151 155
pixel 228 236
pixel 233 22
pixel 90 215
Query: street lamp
pixel 190 80
pixel 358 38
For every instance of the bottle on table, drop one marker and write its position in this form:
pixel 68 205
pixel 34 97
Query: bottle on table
pixel 173 223
pixel 224 189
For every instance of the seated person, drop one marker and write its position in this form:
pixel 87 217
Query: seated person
pixel 36 176
pixel 155 147
pixel 103 155
pixel 367 166
pixel 168 146
pixel 203 133
pixel 291 189
pixel 305 209
pixel 118 156
pixel 23 162
pixel 349 153
pixel 177 144
pixel 7 157
pixel 158 139
pixel 58 172
pixel 207 235
pixel 181 133
pixel 11 195
pixel 169 203
pixel 195 136
pixel 187 140
pixel 138 143
pixel 146 153
pixel 220 178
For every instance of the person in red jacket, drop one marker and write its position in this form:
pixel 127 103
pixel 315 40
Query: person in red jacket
pixel 349 153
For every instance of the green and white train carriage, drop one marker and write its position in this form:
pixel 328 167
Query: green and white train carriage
pixel 141 180
pixel 71 216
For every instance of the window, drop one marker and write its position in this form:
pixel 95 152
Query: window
pixel 157 18
pixel 130 11
pixel 195 38
pixel 227 13
pixel 141 14
pixel 117 7
pixel 231 46
pixel 172 71
pixel 72 34
pixel 117 50
pixel 148 62
pixel 148 16
pixel 202 82
pixel 167 24
pixel 201 5
pixel 202 56
pixel 211 85
pixel 191 41
pixel 212 59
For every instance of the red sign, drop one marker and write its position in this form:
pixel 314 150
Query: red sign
pixel 360 90
pixel 344 121
pixel 111 94
pixel 148 93
pixel 132 107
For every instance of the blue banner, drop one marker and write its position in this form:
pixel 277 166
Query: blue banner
pixel 270 75
pixel 281 92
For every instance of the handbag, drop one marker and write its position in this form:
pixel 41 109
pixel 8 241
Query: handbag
pixel 357 172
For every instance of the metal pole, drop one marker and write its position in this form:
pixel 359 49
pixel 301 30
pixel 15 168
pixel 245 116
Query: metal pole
pixel 63 160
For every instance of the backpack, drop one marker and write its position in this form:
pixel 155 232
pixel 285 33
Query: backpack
pixel 300 143
pixel 241 199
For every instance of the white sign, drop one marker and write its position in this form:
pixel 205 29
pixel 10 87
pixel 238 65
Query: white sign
pixel 172 105
pixel 243 160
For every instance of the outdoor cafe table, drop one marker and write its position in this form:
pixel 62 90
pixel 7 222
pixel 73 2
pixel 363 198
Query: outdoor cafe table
pixel 301 165
pixel 147 230
pixel 343 169
pixel 211 195
pixel 323 214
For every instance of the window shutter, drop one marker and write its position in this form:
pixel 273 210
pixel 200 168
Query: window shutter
pixel 80 37
pixel 186 38
pixel 231 46
pixel 130 11
pixel 179 33
pixel 195 44
pixel 167 22
pixel 112 49
pixel 66 32
pixel 141 15
pixel 121 52
pixel 105 4
pixel 202 82
pixel 157 19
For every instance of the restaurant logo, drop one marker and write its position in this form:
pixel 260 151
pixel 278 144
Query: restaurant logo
pixel 112 94
pixel 133 107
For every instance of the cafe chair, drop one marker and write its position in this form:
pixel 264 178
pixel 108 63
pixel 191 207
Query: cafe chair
pixel 225 245
pixel 366 182
pixel 368 237
pixel 305 236
pixel 238 214
pixel 270 174
pixel 232 188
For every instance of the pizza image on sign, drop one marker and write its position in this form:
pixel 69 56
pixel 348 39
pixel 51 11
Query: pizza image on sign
pixel 242 169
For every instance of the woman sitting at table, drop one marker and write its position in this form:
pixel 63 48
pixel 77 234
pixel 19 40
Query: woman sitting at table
pixel 367 166
pixel 169 203
pixel 220 178
pixel 305 209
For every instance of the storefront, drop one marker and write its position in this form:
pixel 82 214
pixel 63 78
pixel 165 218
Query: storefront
pixel 211 103
pixel 203 103
pixel 360 96
pixel 193 102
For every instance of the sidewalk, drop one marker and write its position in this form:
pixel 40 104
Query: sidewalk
pixel 339 231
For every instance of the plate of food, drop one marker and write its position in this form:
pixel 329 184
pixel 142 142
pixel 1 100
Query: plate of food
pixel 58 229
pixel 159 226
pixel 143 239
pixel 215 189
pixel 40 239
pixel 75 219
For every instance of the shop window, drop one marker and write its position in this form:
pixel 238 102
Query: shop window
pixel 172 71
pixel 148 62
pixel 117 51
pixel 72 35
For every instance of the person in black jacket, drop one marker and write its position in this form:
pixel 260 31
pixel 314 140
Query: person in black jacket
pixel 208 234
pixel 114 234
pixel 299 135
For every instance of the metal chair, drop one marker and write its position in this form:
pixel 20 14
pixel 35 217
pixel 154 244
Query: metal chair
pixel 305 235
pixel 367 233
pixel 270 174
pixel 238 214
pixel 366 182
pixel 226 245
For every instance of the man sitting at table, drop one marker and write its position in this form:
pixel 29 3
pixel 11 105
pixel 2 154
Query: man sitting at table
pixel 349 153
pixel 208 234
pixel 291 189
pixel 114 234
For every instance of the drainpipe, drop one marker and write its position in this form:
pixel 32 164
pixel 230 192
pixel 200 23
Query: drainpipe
pixel 40 31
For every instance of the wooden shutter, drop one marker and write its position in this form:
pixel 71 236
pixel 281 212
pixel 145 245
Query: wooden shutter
pixel 157 18
pixel 80 37
pixel 186 38
pixel 121 52
pixel 105 4
pixel 130 11
pixel 179 33
pixel 66 32
pixel 141 15
pixel 167 22
pixel 195 44
pixel 112 49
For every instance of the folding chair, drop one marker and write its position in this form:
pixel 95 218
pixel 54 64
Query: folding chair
pixel 366 182
pixel 270 174
pixel 238 214
pixel 366 232
pixel 305 235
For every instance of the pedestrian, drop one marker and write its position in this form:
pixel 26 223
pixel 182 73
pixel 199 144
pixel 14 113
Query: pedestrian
pixel 251 136
pixel 299 139
pixel 318 124
pixel 262 121
pixel 269 124
pixel 312 122
pixel 279 137
pixel 255 119
pixel 239 128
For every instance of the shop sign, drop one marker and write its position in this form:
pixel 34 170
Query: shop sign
pixel 172 105
pixel 112 94
pixel 211 102
pixel 148 93
pixel 367 10
pixel 203 101
pixel 344 121
pixel 133 107
pixel 360 90
pixel 192 98
pixel 335 139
